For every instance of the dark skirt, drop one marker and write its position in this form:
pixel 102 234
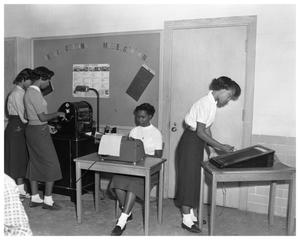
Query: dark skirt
pixel 43 162
pixel 189 155
pixel 15 153
pixel 132 184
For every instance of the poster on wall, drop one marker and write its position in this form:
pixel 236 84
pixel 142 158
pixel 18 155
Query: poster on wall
pixel 94 76
pixel 140 82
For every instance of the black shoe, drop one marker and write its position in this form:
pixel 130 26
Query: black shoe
pixel 35 204
pixel 197 222
pixel 130 218
pixel 23 196
pixel 117 231
pixel 193 228
pixel 54 206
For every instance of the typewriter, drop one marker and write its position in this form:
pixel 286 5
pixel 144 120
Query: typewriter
pixel 130 150
pixel 250 157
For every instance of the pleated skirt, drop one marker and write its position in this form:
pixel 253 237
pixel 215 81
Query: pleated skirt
pixel 189 156
pixel 15 149
pixel 43 162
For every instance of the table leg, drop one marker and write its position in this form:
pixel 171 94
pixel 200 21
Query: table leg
pixel 213 204
pixel 97 183
pixel 78 192
pixel 160 193
pixel 147 202
pixel 291 207
pixel 200 209
pixel 272 202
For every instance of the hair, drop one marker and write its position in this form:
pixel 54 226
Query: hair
pixel 145 107
pixel 44 73
pixel 26 74
pixel 226 83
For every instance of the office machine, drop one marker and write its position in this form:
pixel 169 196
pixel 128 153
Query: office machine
pixel 254 156
pixel 70 142
pixel 79 119
pixel 131 150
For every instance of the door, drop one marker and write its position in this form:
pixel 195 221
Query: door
pixel 198 56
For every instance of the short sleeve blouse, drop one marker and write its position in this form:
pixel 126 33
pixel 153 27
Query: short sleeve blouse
pixel 203 111
pixel 150 136
pixel 34 104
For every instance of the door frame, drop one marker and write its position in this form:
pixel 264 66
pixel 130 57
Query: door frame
pixel 250 23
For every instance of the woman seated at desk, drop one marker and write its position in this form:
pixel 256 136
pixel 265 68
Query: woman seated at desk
pixel 127 188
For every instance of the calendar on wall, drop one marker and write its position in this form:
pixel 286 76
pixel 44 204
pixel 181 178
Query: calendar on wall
pixel 92 75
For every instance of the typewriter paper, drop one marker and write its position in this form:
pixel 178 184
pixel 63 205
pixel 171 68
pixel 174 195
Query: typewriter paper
pixel 110 145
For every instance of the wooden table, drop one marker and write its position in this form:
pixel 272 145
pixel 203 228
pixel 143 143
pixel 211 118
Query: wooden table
pixel 143 168
pixel 278 172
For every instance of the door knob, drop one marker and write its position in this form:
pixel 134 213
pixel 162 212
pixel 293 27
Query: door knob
pixel 174 128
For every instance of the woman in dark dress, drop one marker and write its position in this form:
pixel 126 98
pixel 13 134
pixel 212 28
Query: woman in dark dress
pixel 43 165
pixel 16 154
pixel 195 138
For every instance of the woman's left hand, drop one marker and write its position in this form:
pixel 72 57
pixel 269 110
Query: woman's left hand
pixel 52 129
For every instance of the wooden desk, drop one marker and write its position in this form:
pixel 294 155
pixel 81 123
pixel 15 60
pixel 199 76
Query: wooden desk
pixel 143 168
pixel 278 172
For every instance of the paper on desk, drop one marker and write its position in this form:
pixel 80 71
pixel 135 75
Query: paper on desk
pixel 110 145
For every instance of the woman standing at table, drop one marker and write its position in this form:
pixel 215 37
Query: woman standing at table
pixel 127 188
pixel 192 143
pixel 43 163
pixel 16 154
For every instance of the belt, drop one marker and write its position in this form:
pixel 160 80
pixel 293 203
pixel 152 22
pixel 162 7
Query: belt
pixel 190 128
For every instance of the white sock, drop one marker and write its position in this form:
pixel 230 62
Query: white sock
pixel 48 200
pixel 187 220
pixel 193 215
pixel 122 220
pixel 36 198
pixel 21 189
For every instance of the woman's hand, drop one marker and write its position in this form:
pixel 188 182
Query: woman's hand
pixel 227 148
pixel 52 129
pixel 61 115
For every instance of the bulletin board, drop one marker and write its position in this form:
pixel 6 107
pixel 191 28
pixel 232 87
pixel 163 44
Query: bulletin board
pixel 125 53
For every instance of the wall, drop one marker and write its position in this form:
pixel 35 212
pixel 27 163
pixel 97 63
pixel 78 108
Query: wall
pixel 117 109
pixel 275 85
pixel 258 194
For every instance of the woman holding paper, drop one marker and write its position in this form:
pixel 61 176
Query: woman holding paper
pixel 127 188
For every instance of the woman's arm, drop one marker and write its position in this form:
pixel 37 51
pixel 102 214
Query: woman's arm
pixel 205 134
pixel 157 154
pixel 207 149
pixel 45 117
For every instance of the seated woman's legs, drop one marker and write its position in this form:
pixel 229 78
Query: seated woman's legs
pixel 127 199
pixel 121 196
pixel 129 202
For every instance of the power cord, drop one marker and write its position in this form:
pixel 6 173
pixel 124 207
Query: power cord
pixel 102 192
pixel 86 171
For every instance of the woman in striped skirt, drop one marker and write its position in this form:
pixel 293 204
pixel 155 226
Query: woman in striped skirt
pixel 195 138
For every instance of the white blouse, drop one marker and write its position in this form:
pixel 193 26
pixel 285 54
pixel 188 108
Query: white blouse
pixel 150 136
pixel 15 103
pixel 203 111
